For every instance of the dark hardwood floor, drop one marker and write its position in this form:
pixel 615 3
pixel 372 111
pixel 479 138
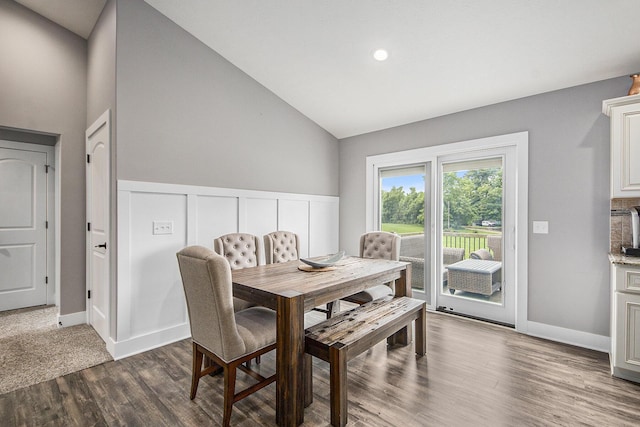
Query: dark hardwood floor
pixel 474 374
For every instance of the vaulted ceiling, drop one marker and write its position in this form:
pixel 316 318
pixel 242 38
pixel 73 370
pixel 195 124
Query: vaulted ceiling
pixel 444 56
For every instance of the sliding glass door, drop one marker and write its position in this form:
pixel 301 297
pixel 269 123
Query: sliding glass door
pixel 476 273
pixel 403 211
pixel 461 210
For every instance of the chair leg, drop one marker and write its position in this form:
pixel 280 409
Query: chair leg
pixel 333 307
pixel 195 370
pixel 421 332
pixel 229 393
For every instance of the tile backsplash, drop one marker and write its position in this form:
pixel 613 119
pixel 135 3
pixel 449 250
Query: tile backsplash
pixel 621 223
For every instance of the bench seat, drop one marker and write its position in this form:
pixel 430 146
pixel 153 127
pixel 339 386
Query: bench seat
pixel 344 336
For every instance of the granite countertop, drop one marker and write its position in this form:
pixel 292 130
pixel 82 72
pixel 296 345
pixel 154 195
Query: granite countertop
pixel 625 260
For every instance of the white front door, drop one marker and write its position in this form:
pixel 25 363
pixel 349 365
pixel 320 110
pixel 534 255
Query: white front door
pixel 98 217
pixel 23 233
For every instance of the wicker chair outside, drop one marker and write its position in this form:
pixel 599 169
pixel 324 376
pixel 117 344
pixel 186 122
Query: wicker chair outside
pixel 412 250
pixel 494 243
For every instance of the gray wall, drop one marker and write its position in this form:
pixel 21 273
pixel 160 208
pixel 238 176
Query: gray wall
pixel 568 186
pixel 188 116
pixel 101 65
pixel 101 96
pixel 43 74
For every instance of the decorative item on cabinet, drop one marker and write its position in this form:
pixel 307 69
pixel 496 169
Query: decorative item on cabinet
pixel 635 85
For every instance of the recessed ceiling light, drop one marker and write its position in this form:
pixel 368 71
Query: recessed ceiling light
pixel 381 55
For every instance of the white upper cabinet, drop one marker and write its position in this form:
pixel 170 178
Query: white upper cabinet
pixel 625 145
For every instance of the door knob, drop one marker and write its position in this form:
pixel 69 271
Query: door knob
pixel 104 245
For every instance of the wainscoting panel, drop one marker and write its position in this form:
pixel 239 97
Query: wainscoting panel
pixel 324 216
pixel 156 220
pixel 260 215
pixel 293 215
pixel 157 295
pixel 215 216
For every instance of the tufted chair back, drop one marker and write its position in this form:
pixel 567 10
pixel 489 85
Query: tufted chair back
pixel 281 246
pixel 206 278
pixel 377 245
pixel 380 245
pixel 242 250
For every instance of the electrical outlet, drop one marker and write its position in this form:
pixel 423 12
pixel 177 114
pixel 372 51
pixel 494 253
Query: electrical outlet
pixel 162 227
pixel 541 227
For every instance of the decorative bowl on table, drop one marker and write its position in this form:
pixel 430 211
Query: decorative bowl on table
pixel 324 262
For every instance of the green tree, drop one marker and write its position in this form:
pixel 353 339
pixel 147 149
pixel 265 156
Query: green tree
pixel 391 201
pixel 468 197
pixel 399 207
pixel 487 196
pixel 458 208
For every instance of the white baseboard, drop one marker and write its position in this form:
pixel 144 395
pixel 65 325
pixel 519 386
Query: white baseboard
pixel 139 344
pixel 569 336
pixel 79 318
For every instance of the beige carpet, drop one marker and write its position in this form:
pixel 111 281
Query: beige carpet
pixel 33 349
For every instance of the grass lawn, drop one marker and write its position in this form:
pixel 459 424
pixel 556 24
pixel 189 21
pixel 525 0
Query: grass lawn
pixel 403 228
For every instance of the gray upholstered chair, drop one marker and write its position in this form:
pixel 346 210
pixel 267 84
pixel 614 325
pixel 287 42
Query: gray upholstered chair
pixel 241 250
pixel 228 339
pixel 281 246
pixel 377 245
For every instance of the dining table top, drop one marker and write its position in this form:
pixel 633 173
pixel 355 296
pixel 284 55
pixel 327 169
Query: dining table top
pixel 263 284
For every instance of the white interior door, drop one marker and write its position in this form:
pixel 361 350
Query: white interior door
pixel 98 138
pixel 23 233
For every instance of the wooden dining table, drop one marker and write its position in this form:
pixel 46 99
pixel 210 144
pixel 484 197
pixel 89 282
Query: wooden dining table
pixel 292 292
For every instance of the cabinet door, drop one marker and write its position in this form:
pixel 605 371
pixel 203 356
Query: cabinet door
pixel 627 343
pixel 625 151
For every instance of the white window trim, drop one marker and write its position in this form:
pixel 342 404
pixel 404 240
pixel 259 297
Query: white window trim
pixel 518 140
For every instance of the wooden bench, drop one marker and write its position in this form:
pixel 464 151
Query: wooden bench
pixel 344 336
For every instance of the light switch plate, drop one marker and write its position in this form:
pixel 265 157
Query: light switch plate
pixel 162 227
pixel 541 227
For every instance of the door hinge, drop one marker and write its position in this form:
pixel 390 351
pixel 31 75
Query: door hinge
pixel 46 168
pixel 88 158
pixel 46 225
pixel 46 280
pixel 88 226
pixel 89 294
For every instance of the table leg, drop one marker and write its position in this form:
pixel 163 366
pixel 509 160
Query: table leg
pixel 290 360
pixel 403 288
